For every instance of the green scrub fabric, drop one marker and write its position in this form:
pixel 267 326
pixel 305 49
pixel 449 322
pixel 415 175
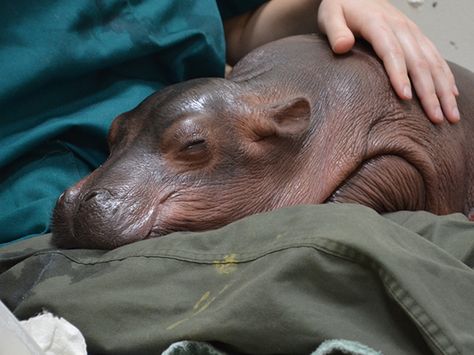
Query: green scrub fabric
pixel 276 283
pixel 69 68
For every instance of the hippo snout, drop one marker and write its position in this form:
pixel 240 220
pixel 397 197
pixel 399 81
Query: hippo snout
pixel 98 218
pixel 99 202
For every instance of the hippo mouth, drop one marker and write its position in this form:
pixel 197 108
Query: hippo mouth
pixel 385 183
pixel 99 220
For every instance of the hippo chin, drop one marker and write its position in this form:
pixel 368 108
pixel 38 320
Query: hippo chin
pixel 293 124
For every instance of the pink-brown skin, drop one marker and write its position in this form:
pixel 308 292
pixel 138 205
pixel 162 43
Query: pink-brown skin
pixel 293 124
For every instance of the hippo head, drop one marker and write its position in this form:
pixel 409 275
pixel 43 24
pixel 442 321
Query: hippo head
pixel 279 132
pixel 195 156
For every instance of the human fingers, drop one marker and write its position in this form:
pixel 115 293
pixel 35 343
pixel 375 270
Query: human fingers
pixel 394 40
pixel 331 20
pixel 339 18
pixel 425 66
pixel 431 50
pixel 443 79
pixel 409 58
pixel 388 49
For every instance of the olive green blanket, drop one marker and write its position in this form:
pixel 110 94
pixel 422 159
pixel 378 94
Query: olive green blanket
pixel 275 283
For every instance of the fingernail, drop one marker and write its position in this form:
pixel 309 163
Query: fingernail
pixel 439 114
pixel 456 114
pixel 407 91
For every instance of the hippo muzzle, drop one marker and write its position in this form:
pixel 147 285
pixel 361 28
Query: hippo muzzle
pixel 102 218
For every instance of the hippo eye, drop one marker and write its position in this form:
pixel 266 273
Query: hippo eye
pixel 194 145
pixel 194 150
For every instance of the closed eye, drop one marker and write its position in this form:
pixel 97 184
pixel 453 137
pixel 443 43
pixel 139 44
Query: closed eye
pixel 194 145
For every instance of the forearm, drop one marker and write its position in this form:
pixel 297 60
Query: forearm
pixel 273 20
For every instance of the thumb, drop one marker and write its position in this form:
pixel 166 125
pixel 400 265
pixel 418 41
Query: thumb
pixel 332 22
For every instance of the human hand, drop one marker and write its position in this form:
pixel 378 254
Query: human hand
pixel 405 51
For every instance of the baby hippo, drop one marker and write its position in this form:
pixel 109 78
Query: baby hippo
pixel 293 124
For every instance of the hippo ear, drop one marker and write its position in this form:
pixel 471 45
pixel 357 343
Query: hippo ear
pixel 285 119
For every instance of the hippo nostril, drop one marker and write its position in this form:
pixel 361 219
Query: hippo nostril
pixel 92 195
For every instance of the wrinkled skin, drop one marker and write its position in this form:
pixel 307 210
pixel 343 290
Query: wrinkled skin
pixel 293 124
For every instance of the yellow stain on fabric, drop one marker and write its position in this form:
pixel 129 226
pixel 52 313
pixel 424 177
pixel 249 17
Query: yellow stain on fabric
pixel 227 265
pixel 174 325
pixel 203 298
pixel 201 305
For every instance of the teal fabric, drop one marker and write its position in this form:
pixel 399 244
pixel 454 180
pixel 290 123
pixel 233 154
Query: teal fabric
pixel 69 68
pixel 229 8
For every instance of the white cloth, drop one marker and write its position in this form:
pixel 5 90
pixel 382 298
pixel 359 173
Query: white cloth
pixel 54 335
